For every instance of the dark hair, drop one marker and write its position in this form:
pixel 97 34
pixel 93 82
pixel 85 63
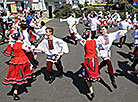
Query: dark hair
pixel 94 15
pixel 23 26
pixel 86 34
pixel 16 36
pixel 42 23
pixel 124 18
pixel 50 29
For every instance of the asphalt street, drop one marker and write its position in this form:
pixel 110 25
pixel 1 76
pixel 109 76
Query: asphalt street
pixel 72 87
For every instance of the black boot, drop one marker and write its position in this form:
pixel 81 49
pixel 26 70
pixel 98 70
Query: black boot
pixel 35 63
pixel 16 97
pixel 113 81
pixel 60 74
pixel 75 42
pixel 51 79
pixel 120 45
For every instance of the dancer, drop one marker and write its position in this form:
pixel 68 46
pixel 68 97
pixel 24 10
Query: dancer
pixel 124 25
pixel 105 41
pixel 91 59
pixel 71 21
pixel 93 24
pixel 54 48
pixel 29 54
pixel 135 52
pixel 19 66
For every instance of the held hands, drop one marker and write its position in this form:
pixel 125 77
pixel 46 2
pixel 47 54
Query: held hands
pixel 40 50
pixel 59 56
pixel 99 55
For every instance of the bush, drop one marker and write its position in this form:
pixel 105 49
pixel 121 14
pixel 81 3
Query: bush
pixel 129 7
pixel 63 11
pixel 85 4
pixel 80 5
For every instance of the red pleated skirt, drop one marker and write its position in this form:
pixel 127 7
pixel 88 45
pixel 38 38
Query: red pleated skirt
pixel 92 69
pixel 18 74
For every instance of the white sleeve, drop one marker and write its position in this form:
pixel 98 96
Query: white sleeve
pixel 63 20
pixel 64 46
pixel 28 47
pixel 98 22
pixel 97 43
pixel 80 39
pixel 115 35
pixel 40 46
pixel 11 42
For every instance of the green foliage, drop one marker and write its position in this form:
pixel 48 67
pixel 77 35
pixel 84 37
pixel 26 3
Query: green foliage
pixel 78 13
pixel 80 5
pixel 63 11
pixel 130 8
pixel 85 4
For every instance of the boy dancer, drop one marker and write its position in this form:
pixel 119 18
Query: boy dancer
pixel 105 41
pixel 54 48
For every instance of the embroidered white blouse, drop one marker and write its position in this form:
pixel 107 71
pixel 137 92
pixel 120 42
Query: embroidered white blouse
pixel 105 48
pixel 58 44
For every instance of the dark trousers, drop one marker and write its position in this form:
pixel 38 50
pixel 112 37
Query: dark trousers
pixel 109 64
pixel 135 51
pixel 122 40
pixel 135 62
pixel 49 67
pixel 93 34
pixel 72 36
pixel 31 58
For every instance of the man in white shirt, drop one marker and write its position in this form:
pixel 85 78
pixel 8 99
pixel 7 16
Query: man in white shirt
pixel 54 48
pixel 71 21
pixel 105 41
pixel 124 25
pixel 26 41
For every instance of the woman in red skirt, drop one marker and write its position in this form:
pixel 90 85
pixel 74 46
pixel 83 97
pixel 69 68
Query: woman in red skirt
pixel 91 62
pixel 19 68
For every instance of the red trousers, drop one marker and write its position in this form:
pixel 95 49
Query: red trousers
pixel 49 66
pixel 109 64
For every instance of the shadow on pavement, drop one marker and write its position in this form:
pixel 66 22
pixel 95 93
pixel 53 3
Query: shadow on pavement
pixel 80 83
pixel 129 45
pixel 106 85
pixel 23 88
pixel 68 39
pixel 126 55
pixel 2 43
pixel 116 44
pixel 46 75
pixel 124 67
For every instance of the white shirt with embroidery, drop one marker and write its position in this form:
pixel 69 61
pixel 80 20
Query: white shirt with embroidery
pixel 105 48
pixel 58 44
